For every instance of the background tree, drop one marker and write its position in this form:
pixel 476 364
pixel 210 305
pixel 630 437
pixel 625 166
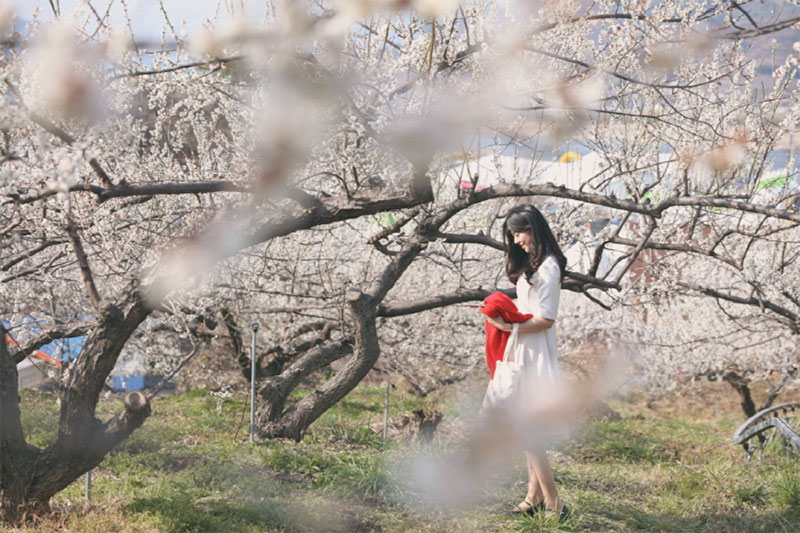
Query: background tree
pixel 299 171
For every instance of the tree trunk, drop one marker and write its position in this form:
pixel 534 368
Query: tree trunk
pixel 742 387
pixel 273 391
pixel 275 421
pixel 29 476
pixel 17 459
pixel 293 422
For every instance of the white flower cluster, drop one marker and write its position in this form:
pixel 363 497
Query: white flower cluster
pixel 172 162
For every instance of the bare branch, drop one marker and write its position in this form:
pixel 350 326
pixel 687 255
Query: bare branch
pixel 217 62
pixel 58 132
pixel 394 228
pixel 651 227
pixel 761 30
pixel 752 301
pixel 442 300
pixel 83 262
pixel 144 189
pixel 30 253
pixel 480 238
pixel 623 77
pixel 644 208
pixel 51 334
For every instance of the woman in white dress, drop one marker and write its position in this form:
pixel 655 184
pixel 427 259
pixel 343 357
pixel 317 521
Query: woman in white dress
pixel 535 263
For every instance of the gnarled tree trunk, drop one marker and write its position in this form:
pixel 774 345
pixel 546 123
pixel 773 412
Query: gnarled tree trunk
pixel 273 421
pixel 30 476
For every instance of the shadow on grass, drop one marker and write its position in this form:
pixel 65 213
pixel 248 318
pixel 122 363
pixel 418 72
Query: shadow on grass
pixel 621 517
pixel 181 513
pixel 617 520
pixel 626 446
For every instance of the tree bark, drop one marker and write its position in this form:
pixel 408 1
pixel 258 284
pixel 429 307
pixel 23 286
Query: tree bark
pixel 29 476
pixel 742 387
pixel 235 333
pixel 275 390
pixel 278 356
pixel 15 455
pixel 59 466
pixel 295 420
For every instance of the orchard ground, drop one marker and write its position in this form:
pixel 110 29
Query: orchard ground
pixel 666 465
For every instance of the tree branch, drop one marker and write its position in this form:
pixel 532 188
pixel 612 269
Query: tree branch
pixel 58 132
pixel 54 333
pixel 83 263
pixel 752 301
pixel 336 210
pixel 394 228
pixel 30 253
pixel 144 189
pixel 578 283
pixel 218 61
pixel 622 77
pixel 644 208
pixel 463 238
pixel 442 300
pixel 761 30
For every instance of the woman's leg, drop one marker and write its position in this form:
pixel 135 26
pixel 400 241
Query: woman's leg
pixel 535 494
pixel 539 469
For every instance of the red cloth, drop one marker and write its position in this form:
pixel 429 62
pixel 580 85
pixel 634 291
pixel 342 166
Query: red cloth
pixel 500 304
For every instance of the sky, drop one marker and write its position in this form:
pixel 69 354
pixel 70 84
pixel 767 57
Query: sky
pixel 146 16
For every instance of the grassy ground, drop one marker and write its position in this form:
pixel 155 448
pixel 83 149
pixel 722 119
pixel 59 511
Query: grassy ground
pixel 190 468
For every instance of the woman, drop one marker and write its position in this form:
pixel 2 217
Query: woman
pixel 535 263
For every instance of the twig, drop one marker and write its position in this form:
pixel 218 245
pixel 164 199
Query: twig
pixel 83 262
pixel 217 61
pixel 58 132
pixel 165 380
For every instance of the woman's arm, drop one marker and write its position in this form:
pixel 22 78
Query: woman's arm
pixel 536 324
pixel 532 325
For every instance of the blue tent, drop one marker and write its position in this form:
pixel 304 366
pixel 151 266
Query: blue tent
pixel 61 349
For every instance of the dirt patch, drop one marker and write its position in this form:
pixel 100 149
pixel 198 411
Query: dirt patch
pixel 291 478
pixel 213 368
pixel 707 400
pixel 175 463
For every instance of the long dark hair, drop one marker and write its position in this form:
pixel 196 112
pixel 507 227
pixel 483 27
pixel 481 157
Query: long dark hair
pixel 526 218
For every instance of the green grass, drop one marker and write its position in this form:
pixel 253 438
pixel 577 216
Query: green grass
pixel 190 468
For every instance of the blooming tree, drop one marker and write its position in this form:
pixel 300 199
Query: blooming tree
pixel 314 170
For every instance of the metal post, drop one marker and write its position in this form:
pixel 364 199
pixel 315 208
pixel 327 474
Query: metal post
pixel 253 385
pixel 88 492
pixel 386 411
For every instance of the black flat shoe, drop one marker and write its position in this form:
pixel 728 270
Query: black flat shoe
pixel 527 507
pixel 563 514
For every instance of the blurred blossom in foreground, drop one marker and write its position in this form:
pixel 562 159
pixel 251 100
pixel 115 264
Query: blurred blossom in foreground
pixel 7 16
pixel 494 445
pixel 185 267
pixel 568 106
pixel 118 46
pixel 222 41
pixel 361 9
pixel 353 10
pixel 723 157
pixel 666 56
pixel 59 75
pixel 559 10
pixel 434 8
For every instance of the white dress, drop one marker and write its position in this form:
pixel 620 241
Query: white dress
pixel 537 386
pixel 540 350
pixel 534 414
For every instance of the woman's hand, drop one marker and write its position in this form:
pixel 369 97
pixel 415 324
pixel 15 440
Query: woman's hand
pixel 499 323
